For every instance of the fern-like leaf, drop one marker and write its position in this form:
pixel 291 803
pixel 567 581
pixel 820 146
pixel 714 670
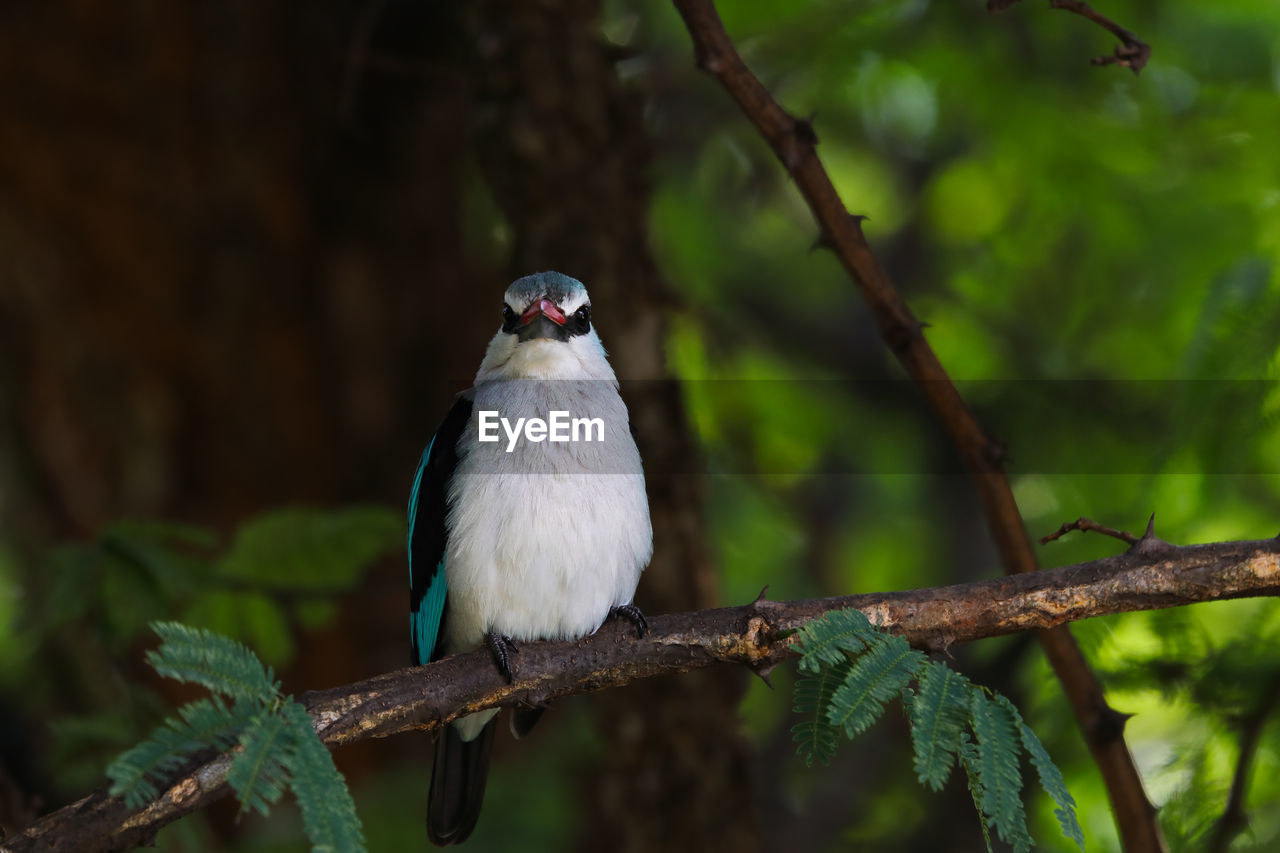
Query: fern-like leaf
pixel 1054 785
pixel 257 771
pixel 328 812
pixel 999 751
pixel 205 723
pixel 826 640
pixel 134 772
pixel 969 761
pixel 876 676
pixel 814 736
pixel 939 713
pixel 213 661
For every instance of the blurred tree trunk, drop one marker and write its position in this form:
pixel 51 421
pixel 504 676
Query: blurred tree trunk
pixel 224 224
pixel 564 149
pixel 233 277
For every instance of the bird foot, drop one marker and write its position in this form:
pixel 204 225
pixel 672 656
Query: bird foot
pixel 501 647
pixel 633 615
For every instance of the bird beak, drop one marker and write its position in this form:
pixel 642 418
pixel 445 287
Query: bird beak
pixel 547 309
pixel 543 319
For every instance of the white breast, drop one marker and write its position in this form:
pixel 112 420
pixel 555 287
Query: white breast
pixel 545 539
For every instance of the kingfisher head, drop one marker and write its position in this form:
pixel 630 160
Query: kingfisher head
pixel 546 306
pixel 546 332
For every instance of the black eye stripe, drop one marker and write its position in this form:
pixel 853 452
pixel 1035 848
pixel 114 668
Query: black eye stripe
pixel 580 322
pixel 577 323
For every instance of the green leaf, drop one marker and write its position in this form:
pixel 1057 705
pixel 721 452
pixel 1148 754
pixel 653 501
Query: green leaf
pixel 213 661
pixel 939 714
pixel 171 554
pixel 133 773
pixel 205 723
pixel 875 677
pixel 969 760
pixel 257 772
pixel 312 549
pixel 212 723
pixel 999 751
pixel 328 812
pixel 826 640
pixel 815 737
pixel 1054 785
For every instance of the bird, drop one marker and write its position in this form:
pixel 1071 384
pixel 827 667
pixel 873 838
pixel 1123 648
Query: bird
pixel 525 537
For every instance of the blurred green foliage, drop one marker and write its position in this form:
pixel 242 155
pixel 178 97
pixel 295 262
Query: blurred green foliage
pixel 1056 224
pixel 90 604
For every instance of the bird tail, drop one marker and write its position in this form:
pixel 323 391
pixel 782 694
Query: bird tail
pixel 458 776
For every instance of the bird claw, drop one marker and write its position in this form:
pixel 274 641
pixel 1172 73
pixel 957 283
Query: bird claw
pixel 633 615
pixel 501 647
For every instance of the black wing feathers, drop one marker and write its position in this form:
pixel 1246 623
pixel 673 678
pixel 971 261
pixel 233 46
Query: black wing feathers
pixel 428 533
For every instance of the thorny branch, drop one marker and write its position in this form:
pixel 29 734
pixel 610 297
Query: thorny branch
pixel 1131 53
pixel 1083 523
pixel 759 635
pixel 794 142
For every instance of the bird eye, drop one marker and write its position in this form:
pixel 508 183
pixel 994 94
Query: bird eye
pixel 581 323
pixel 508 318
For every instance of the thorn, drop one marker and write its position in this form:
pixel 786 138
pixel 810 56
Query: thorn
pixel 824 241
pixel 804 131
pixel 995 452
pixel 760 597
pixel 1111 723
pixel 523 719
pixel 1149 544
pixel 1131 56
pixel 763 672
pixel 796 146
pixel 705 61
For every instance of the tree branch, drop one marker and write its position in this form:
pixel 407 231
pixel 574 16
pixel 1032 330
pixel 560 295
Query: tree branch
pixel 793 141
pixel 1132 52
pixel 1083 523
pixel 758 635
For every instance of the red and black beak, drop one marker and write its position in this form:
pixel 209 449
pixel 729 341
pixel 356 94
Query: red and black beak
pixel 542 319
pixel 544 307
